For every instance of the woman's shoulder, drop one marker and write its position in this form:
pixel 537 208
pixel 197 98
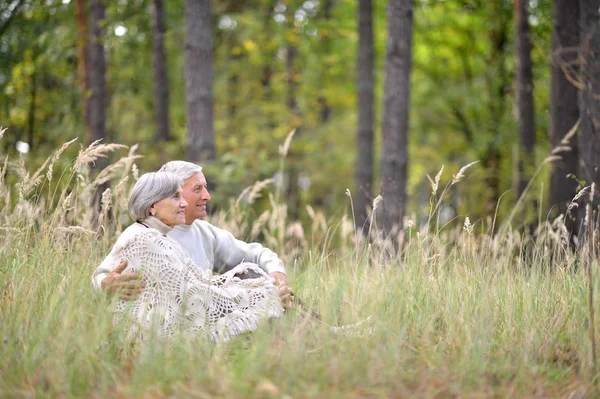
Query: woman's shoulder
pixel 139 235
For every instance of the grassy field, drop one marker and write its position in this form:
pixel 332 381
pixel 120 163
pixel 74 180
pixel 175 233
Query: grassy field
pixel 458 314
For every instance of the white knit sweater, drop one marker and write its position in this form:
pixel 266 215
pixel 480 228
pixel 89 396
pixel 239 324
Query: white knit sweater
pixel 210 247
pixel 180 297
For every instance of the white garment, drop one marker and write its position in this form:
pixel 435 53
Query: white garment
pixel 210 247
pixel 180 297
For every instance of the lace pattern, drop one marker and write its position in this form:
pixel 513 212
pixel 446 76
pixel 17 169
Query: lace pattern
pixel 179 297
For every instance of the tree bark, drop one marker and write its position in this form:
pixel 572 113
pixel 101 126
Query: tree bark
pixel 364 134
pixel 271 51
pixel 97 101
pixel 564 107
pixel 394 158
pixel 292 194
pixel 32 107
pixel 525 104
pixel 199 80
pixel 81 18
pixel 161 78
pixel 498 82
pixel 325 108
pixel 589 104
pixel 97 72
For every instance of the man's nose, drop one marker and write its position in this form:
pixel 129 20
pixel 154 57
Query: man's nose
pixel 206 195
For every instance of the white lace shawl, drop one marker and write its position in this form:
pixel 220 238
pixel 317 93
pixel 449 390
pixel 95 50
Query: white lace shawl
pixel 179 297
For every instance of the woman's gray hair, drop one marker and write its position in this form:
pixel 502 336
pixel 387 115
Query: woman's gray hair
pixel 183 169
pixel 149 189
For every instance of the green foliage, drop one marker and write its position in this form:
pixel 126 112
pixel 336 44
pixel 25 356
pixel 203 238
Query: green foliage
pixel 461 94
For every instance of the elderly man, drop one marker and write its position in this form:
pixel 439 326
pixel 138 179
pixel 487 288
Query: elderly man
pixel 210 247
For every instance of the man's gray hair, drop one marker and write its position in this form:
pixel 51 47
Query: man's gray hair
pixel 183 169
pixel 149 189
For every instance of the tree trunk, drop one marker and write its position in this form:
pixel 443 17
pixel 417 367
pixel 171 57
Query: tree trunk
pixel 32 107
pixel 525 104
pixel 270 47
pixel 498 82
pixel 394 158
pixel 233 86
pixel 161 78
pixel 97 80
pixel 270 50
pixel 589 104
pixel 364 134
pixel 325 108
pixel 199 80
pixel 292 195
pixel 97 72
pixel 82 61
pixel 564 107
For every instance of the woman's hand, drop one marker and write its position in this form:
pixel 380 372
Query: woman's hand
pixel 283 287
pixel 125 286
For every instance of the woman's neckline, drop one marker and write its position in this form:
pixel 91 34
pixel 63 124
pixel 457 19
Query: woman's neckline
pixel 157 224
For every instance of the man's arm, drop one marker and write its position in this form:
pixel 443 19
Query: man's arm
pixel 126 286
pixel 230 252
pixel 109 279
pixel 112 282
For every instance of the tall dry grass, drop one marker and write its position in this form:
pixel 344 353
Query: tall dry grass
pixel 459 312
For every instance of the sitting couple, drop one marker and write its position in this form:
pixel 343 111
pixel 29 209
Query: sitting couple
pixel 161 266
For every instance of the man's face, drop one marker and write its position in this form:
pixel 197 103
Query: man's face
pixel 196 194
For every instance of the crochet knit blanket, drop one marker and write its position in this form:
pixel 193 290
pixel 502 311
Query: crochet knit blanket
pixel 181 298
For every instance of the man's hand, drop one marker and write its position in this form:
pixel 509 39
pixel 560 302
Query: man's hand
pixel 126 286
pixel 285 291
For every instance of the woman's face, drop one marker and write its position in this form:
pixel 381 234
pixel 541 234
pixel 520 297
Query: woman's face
pixel 170 210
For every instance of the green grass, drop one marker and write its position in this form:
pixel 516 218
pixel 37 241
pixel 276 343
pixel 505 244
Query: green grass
pixel 455 328
pixel 458 315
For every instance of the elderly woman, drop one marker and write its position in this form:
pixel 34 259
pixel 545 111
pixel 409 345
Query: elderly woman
pixel 179 297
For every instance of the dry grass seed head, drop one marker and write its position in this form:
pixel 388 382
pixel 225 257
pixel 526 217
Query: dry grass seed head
pixel 376 202
pixel 76 230
pixel 435 182
pixel 251 193
pixel 461 173
pixel 565 140
pixel 94 152
pixel 574 203
pixel 283 149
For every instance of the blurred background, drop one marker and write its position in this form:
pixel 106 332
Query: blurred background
pixel 223 84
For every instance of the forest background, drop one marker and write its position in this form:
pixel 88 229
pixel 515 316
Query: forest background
pixel 278 66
